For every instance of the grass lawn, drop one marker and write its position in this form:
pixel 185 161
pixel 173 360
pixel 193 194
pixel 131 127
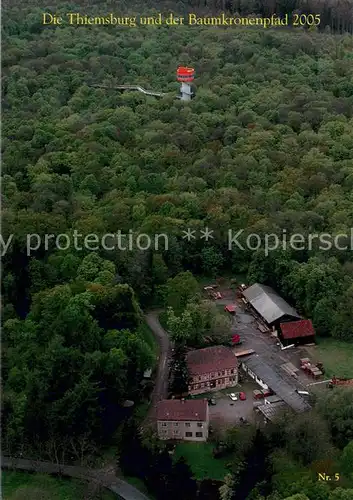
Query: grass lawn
pixel 25 486
pixel 141 410
pixel 205 281
pixel 201 461
pixel 336 356
pixel 139 484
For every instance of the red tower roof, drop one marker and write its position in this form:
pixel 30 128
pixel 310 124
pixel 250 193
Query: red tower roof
pixel 185 74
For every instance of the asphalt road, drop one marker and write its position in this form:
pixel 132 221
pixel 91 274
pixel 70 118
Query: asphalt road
pixel 160 390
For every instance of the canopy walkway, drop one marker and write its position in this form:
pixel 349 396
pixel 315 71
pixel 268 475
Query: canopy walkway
pixel 130 87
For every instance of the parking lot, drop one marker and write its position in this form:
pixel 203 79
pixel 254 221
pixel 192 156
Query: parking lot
pixel 244 323
pixel 227 412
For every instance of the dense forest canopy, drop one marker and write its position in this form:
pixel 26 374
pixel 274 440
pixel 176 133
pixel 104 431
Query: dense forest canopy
pixel 265 147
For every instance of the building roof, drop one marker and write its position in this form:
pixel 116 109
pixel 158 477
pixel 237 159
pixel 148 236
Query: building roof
pixel 182 409
pixel 273 399
pixel 268 303
pixel 210 359
pixel 295 329
pixel 271 411
pixel 277 383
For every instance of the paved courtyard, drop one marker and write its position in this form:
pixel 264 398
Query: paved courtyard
pixel 265 345
pixel 225 414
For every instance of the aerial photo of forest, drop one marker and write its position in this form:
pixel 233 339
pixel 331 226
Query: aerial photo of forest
pixel 265 147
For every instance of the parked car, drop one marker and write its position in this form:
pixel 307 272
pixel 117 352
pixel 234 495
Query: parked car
pixel 212 401
pixel 233 396
pixel 257 394
pixel 242 396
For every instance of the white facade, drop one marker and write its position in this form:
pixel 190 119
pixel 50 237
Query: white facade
pixel 187 430
pixel 186 92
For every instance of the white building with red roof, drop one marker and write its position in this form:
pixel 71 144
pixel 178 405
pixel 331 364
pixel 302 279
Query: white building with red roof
pixel 212 369
pixel 184 419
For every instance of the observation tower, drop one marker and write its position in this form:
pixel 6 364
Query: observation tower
pixel 185 76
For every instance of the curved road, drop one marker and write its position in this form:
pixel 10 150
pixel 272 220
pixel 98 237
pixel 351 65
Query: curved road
pixel 124 490
pixel 160 390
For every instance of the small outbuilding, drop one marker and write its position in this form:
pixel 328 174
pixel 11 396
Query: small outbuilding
pixel 270 411
pixel 301 332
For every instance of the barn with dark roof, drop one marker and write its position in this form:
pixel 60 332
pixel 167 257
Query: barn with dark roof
pixel 269 305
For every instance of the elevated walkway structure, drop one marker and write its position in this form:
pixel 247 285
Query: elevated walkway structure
pixel 184 75
pixel 130 87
